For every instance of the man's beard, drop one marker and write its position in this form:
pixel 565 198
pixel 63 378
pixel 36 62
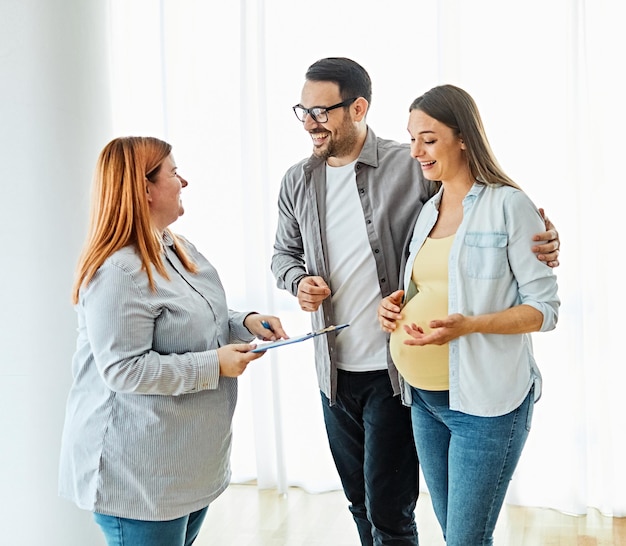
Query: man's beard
pixel 342 144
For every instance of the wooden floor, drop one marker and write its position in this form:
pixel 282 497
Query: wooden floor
pixel 247 516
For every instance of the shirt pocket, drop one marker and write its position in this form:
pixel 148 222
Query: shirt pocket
pixel 486 254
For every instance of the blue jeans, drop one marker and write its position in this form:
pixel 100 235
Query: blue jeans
pixel 467 462
pixel 134 532
pixel 369 432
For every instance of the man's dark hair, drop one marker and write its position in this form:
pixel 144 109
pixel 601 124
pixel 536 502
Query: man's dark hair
pixel 352 79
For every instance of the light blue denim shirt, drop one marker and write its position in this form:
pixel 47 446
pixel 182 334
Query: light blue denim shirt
pixel 491 268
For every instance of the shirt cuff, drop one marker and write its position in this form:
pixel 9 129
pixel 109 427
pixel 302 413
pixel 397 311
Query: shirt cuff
pixel 208 371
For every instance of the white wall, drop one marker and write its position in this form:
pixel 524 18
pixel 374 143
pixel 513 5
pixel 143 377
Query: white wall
pixel 54 118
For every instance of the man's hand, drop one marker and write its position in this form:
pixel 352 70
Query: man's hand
pixel 549 249
pixel 312 291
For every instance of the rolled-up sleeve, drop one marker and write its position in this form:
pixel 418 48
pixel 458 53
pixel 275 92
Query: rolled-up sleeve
pixel 536 282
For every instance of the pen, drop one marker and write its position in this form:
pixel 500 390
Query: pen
pixel 266 324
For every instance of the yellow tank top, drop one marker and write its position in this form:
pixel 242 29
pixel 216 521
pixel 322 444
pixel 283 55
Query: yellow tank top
pixel 425 367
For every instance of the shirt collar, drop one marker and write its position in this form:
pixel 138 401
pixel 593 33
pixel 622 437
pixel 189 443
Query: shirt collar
pixel 168 240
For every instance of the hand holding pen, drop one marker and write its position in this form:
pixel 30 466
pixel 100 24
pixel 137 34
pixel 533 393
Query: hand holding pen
pixel 275 327
pixel 265 327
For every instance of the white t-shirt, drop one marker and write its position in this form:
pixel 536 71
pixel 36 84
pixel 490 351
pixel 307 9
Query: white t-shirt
pixel 353 277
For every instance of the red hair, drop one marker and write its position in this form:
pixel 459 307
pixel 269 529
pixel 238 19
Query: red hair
pixel 120 215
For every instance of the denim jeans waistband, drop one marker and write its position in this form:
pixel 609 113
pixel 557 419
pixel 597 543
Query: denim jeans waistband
pixel 433 398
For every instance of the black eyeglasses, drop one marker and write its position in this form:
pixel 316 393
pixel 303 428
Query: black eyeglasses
pixel 319 113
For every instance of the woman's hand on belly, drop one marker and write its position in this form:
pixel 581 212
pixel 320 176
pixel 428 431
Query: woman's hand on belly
pixel 442 331
pixel 389 311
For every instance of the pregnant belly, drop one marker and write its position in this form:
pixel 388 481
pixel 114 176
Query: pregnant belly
pixel 423 367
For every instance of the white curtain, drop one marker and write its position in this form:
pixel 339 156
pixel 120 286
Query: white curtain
pixel 218 82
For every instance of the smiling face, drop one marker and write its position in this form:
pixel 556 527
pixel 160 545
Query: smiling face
pixel 164 194
pixel 440 151
pixel 339 140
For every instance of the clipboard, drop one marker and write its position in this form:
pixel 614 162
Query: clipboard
pixel 279 343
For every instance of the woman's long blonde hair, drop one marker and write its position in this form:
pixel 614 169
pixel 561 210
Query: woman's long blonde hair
pixel 120 215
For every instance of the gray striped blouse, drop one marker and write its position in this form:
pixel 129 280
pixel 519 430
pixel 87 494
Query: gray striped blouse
pixel 147 431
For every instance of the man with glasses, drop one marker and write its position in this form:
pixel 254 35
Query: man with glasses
pixel 344 216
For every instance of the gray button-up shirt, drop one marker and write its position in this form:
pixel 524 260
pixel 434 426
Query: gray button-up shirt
pixel 148 423
pixel 392 192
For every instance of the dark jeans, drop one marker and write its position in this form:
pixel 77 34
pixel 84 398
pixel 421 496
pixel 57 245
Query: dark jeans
pixel 370 436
